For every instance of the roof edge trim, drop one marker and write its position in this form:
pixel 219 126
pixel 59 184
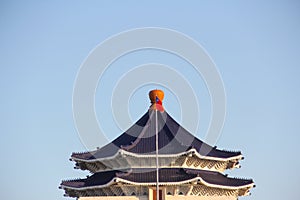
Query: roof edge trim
pixel 194 151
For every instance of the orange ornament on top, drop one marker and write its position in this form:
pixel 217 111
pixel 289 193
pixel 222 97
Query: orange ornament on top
pixel 156 98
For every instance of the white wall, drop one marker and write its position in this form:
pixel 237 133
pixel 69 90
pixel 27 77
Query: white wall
pixel 167 197
pixel 114 198
pixel 181 197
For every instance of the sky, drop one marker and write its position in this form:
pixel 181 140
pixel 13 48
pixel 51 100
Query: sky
pixel 255 47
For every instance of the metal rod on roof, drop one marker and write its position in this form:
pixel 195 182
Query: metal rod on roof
pixel 156 143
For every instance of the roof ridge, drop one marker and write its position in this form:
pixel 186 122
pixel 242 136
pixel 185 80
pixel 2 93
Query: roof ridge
pixel 138 139
pixel 71 180
pixel 241 178
pixel 82 152
pixel 229 151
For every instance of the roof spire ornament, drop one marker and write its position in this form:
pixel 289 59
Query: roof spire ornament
pixel 156 97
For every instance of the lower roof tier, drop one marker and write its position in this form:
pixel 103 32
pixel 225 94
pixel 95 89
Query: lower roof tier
pixel 147 177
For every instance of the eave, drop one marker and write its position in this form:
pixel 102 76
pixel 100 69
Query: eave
pixel 243 190
pixel 191 151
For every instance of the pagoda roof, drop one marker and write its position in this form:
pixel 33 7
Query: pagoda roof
pixel 139 140
pixel 167 176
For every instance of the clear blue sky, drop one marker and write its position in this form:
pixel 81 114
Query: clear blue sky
pixel 254 45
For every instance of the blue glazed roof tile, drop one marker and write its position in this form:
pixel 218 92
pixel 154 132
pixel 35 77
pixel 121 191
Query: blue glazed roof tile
pixel 140 139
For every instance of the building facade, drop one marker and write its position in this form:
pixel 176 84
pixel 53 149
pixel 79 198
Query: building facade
pixel 157 154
